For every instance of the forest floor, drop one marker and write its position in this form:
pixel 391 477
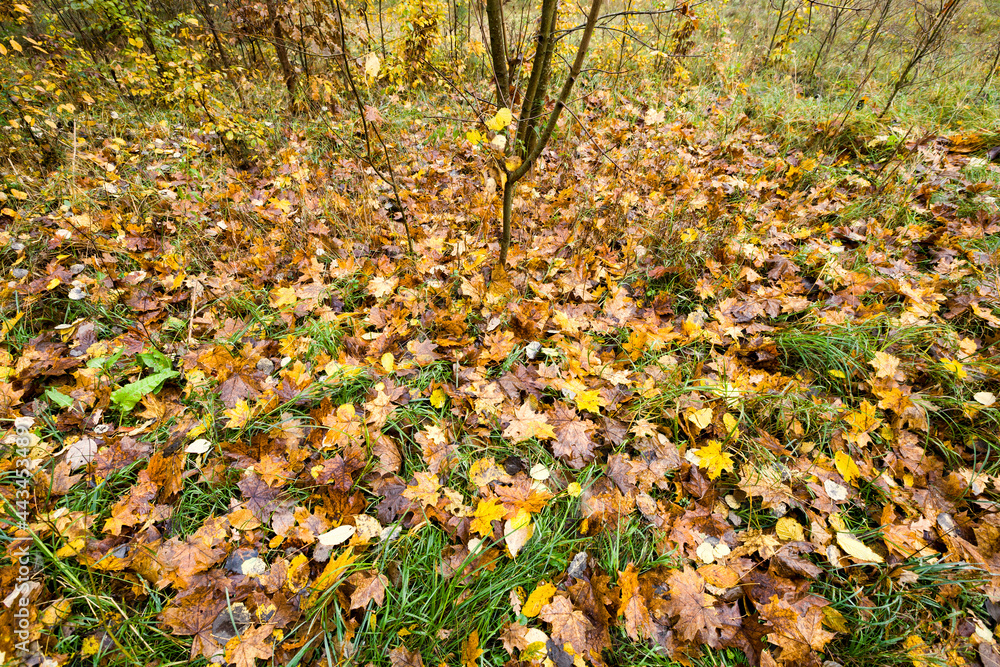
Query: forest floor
pixel 732 399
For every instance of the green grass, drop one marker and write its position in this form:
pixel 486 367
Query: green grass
pixel 942 593
pixel 430 610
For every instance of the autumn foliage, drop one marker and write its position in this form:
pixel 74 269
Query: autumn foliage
pixel 732 395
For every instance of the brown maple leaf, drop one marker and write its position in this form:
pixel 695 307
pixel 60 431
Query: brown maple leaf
pixel 192 614
pixel 181 560
pixel 573 443
pixel 239 386
pixel 403 657
pixel 273 470
pixel 521 495
pixel 798 628
pixel 368 586
pixel 528 424
pixel 638 622
pixel 134 507
pixel 259 497
pixel 339 471
pixel 697 616
pixel 423 351
pixel 244 651
pixel 438 447
pixel 569 625
pixel 385 451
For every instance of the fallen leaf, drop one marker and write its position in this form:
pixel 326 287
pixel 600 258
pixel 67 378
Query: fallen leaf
pixel 856 548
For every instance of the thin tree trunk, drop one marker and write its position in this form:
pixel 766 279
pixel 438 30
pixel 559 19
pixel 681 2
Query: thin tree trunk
pixel 538 80
pixel 498 51
pixel 518 172
pixel 989 75
pixel 206 12
pixel 287 71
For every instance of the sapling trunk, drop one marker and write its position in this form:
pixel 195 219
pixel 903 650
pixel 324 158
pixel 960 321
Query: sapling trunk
pixel 536 141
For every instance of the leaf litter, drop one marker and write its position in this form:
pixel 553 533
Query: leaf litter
pixel 790 394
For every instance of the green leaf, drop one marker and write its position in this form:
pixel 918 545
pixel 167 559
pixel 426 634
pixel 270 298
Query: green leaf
pixel 156 360
pixel 127 396
pixel 59 398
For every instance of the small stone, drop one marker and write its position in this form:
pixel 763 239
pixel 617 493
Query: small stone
pixel 236 559
pixel 577 566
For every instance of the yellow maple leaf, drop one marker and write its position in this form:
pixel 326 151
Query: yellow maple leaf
pixel 486 513
pixel 282 205
pixel 590 401
pixel 864 419
pixel 283 296
pixel 238 415
pixel 714 460
pixel 330 574
pixel 885 365
pixel 425 490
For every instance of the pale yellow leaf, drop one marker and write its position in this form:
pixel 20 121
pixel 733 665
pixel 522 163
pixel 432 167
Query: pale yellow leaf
pixel 856 549
pixel 789 530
